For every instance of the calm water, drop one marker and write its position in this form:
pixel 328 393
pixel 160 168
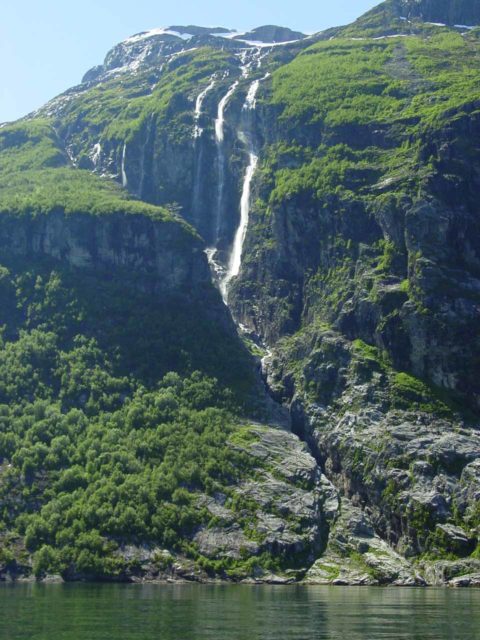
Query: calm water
pixel 191 612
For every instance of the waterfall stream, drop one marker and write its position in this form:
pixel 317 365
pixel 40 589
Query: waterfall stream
pixel 246 136
pixel 235 261
pixel 219 135
pixel 124 175
pixel 198 107
pixel 222 271
pixel 198 157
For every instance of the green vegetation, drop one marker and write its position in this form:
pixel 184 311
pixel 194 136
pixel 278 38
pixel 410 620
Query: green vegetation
pixel 119 109
pixel 111 422
pixel 70 191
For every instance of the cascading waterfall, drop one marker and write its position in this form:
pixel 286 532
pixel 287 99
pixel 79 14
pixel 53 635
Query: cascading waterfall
pixel 219 136
pixel 222 273
pixel 198 158
pixel 235 261
pixel 124 174
pixel 198 107
pixel 96 154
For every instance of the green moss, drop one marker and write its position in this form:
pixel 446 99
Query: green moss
pixel 333 572
pixel 409 392
pixel 245 436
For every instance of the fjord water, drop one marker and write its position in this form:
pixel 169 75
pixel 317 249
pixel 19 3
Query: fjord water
pixel 194 612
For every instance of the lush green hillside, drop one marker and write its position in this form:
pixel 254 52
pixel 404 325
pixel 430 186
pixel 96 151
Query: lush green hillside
pixel 119 416
pixel 331 184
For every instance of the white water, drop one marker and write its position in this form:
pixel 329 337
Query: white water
pixel 198 108
pixel 235 261
pixel 220 121
pixel 124 174
pixel 96 153
pixel 219 136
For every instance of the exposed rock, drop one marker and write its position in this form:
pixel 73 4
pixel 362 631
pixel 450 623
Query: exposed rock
pixel 472 580
pixel 141 245
pixel 227 542
pixel 456 539
pixel 289 491
pixel 449 571
pixel 355 555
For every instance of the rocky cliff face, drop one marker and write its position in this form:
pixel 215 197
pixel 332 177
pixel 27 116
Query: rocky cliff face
pixel 163 254
pixel 462 12
pixel 334 183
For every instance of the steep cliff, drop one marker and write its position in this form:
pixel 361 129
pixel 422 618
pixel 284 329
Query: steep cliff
pixel 330 182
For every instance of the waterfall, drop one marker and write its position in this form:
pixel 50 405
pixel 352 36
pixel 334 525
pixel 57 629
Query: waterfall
pixel 124 175
pixel 198 107
pixel 219 135
pixel 145 149
pixel 235 260
pixel 96 154
pixel 198 157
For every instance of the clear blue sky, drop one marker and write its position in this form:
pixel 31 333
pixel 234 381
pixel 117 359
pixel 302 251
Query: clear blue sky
pixel 47 45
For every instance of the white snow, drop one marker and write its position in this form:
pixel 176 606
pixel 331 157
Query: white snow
pixel 437 24
pixel 396 35
pixel 261 45
pixel 157 32
pixel 253 43
pixel 464 26
pixel 230 35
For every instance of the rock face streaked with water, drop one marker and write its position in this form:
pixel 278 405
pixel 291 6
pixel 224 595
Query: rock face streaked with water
pixel 298 217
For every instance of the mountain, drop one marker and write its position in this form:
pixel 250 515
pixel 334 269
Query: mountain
pixel 240 292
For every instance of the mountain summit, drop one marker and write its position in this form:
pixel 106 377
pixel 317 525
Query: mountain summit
pixel 155 46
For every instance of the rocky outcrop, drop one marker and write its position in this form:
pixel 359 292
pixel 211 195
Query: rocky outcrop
pixel 357 556
pixel 292 499
pixel 460 12
pixel 165 255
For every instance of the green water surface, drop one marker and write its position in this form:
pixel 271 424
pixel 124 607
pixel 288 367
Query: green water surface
pixel 184 612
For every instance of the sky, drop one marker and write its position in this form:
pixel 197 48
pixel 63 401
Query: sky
pixel 46 46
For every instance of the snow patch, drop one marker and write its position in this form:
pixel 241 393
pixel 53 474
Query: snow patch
pixel 262 45
pixel 230 35
pixel 157 32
